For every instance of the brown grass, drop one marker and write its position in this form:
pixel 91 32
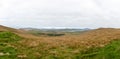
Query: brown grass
pixel 98 37
pixel 95 38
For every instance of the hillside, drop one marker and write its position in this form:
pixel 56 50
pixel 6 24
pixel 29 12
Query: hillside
pixel 19 32
pixel 19 44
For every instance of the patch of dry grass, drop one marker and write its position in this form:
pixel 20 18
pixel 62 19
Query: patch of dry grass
pixel 66 45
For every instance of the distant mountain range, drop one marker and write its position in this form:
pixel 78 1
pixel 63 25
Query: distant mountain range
pixel 57 29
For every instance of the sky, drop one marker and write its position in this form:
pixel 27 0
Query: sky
pixel 60 13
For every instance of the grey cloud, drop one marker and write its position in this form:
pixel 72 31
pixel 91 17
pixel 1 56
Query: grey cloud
pixel 60 13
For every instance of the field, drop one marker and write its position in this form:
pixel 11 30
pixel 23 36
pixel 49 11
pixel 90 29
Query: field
pixel 94 44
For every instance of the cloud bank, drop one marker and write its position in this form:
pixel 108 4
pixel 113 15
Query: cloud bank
pixel 60 13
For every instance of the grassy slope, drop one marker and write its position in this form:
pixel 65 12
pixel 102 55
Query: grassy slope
pixel 110 51
pixel 13 46
pixel 11 49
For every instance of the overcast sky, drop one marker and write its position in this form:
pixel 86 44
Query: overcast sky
pixel 60 13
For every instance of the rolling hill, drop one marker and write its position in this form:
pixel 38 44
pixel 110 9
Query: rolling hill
pixel 93 44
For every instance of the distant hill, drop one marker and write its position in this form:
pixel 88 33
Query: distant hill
pixel 54 32
pixel 57 30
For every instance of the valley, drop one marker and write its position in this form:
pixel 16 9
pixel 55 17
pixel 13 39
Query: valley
pixel 102 43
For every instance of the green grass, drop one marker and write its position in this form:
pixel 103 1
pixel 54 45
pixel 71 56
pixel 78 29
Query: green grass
pixel 8 37
pixel 7 51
